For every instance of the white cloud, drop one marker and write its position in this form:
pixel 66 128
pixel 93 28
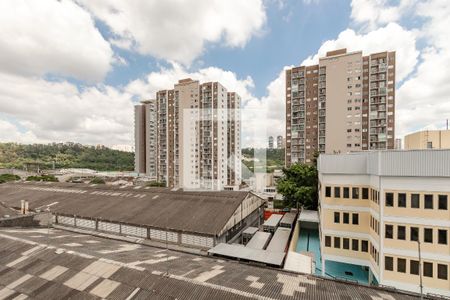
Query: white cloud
pixel 51 37
pixel 374 13
pixel 58 111
pixel 423 100
pixel 390 38
pixel 178 30
pixel 11 133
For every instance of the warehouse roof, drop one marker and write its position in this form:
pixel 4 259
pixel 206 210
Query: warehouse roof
pixel 280 239
pixel 249 254
pixel 58 264
pixel 259 240
pixel 199 212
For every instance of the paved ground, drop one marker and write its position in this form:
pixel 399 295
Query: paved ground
pixel 58 264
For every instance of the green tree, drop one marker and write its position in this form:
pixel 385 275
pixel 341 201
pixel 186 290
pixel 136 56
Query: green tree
pixel 97 180
pixel 299 186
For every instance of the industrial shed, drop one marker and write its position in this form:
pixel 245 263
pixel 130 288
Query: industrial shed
pixel 192 219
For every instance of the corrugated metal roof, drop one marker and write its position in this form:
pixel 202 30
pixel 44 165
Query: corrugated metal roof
pixel 259 240
pixel 416 163
pixel 198 212
pixel 273 220
pixel 288 218
pixel 250 254
pixel 189 276
pixel 280 239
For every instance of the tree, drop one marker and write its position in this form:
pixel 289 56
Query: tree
pixel 97 180
pixel 299 186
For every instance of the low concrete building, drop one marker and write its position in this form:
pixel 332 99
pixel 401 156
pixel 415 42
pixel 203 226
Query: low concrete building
pixel 190 219
pixel 377 209
pixel 428 139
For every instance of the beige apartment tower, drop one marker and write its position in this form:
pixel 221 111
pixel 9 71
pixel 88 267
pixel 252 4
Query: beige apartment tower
pixel 193 137
pixel 344 104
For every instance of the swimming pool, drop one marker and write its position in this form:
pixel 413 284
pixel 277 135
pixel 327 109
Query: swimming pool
pixel 308 241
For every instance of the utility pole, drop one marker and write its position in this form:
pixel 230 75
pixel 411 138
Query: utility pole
pixel 420 270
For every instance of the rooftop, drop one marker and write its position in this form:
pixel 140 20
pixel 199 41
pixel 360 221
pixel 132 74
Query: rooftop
pixel 58 264
pixel 419 163
pixel 199 212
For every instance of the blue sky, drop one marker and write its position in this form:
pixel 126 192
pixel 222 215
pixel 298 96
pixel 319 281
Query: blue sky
pixel 73 69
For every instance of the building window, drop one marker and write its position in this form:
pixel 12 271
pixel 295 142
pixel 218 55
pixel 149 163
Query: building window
pixel 388 233
pixel 428 201
pixel 355 245
pixel 429 145
pixel 327 241
pixel 328 191
pixel 365 193
pixel 428 269
pixel 442 271
pixel 355 193
pixel 388 263
pixel 346 243
pixel 401 265
pixel 401 232
pixel 346 192
pixel 364 246
pixel 337 192
pixel 389 199
pixel 355 219
pixel 443 202
pixel 414 234
pixel 346 218
pixel 415 202
pixel 337 217
pixel 414 267
pixel 442 236
pixel 401 200
pixel 428 235
pixel 337 242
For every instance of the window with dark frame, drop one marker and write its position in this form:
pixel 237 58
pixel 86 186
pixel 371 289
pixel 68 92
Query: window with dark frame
pixel 428 269
pixel 443 202
pixel 414 234
pixel 355 193
pixel 355 219
pixel 442 271
pixel 346 243
pixel 442 236
pixel 337 242
pixel 337 217
pixel 401 200
pixel 428 199
pixel 415 201
pixel 346 192
pixel 365 193
pixel 401 265
pixel 337 192
pixel 401 232
pixel 388 231
pixel 389 199
pixel 346 218
pixel 328 191
pixel 327 241
pixel 389 263
pixel 414 267
pixel 355 245
pixel 428 235
pixel 364 246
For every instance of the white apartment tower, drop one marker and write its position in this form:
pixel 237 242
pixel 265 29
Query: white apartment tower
pixel 193 137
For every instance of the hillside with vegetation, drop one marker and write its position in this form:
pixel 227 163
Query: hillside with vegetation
pixel 274 159
pixel 64 155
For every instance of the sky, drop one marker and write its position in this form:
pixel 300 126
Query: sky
pixel 72 70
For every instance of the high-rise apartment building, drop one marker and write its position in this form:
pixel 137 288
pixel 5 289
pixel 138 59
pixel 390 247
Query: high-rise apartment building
pixel 280 142
pixel 191 136
pixel 270 142
pixel 378 209
pixel 345 103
